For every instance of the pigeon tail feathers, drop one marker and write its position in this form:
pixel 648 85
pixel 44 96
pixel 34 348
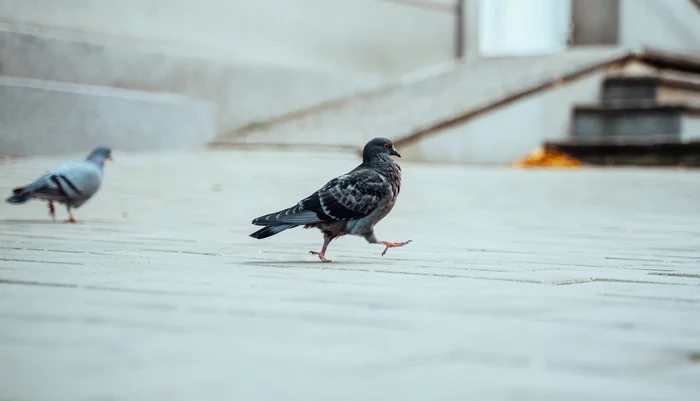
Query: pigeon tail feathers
pixel 17 199
pixel 17 196
pixel 269 231
pixel 294 216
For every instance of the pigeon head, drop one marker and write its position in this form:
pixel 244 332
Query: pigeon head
pixel 378 146
pixel 100 154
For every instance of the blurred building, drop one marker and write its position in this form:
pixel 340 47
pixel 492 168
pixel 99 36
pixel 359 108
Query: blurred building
pixel 241 70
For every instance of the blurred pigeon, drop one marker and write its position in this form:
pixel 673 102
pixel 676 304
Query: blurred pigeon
pixel 72 183
pixel 350 204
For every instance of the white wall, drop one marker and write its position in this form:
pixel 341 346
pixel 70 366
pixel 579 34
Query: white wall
pixel 510 132
pixel 668 24
pixel 365 35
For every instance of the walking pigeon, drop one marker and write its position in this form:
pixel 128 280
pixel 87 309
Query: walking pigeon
pixel 72 183
pixel 351 204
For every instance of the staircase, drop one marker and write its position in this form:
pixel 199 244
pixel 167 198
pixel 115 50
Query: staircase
pixel 645 116
pixel 69 90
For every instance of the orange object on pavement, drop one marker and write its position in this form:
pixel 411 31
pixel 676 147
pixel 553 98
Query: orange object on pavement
pixel 544 157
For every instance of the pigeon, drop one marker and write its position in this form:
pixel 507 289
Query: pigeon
pixel 72 183
pixel 351 204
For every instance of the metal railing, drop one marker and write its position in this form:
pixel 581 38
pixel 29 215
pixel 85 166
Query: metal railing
pixel 456 9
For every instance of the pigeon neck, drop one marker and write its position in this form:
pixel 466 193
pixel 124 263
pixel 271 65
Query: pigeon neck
pixel 100 161
pixel 376 160
pixel 370 156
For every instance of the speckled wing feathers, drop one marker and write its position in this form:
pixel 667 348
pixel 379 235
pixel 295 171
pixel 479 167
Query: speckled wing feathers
pixel 353 195
pixel 350 196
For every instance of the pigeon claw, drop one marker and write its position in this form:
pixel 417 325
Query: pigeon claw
pixel 390 244
pixel 71 219
pixel 320 256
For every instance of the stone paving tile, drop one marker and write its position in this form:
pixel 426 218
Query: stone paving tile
pixel 520 285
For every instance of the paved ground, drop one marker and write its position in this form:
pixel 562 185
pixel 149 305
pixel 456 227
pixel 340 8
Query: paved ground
pixel 520 285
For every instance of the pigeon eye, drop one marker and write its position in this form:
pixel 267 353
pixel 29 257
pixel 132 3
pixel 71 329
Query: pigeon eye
pixel 386 145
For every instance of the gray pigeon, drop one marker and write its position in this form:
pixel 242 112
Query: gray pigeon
pixel 350 204
pixel 72 183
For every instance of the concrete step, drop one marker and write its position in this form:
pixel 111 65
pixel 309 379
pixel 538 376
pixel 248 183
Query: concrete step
pixel 632 153
pixel 245 93
pixel 639 121
pixel 651 85
pixel 40 117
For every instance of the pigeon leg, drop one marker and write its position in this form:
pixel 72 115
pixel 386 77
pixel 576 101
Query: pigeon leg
pixel 71 219
pixel 52 211
pixel 390 244
pixel 322 254
pixel 372 239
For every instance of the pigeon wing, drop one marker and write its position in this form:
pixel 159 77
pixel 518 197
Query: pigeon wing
pixel 77 180
pixel 350 196
pixel 80 179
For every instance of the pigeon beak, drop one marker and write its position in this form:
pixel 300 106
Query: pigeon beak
pixel 394 152
pixel 110 158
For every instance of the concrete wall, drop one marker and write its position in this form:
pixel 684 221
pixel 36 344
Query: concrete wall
pixel 39 117
pixel 691 127
pixel 510 132
pixel 353 35
pixel 370 36
pixel 668 24
pixel 254 59
pixel 244 93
